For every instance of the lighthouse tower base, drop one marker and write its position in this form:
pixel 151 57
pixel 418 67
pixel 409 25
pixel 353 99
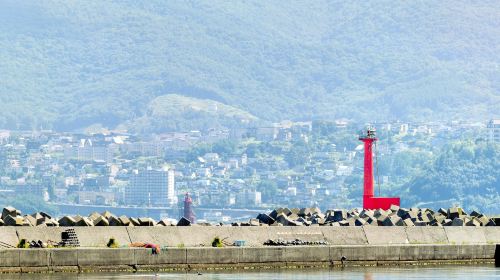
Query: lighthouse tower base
pixel 380 202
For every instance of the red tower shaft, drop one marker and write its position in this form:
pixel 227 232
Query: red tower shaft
pixel 369 200
pixel 188 209
pixel 368 170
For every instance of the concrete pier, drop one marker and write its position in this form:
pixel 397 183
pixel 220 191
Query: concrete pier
pixel 132 259
pixel 189 247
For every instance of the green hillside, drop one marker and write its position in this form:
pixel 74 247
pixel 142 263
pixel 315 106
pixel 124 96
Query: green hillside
pixel 164 112
pixel 68 65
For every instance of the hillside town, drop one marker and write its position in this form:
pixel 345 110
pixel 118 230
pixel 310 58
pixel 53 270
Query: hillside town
pixel 287 163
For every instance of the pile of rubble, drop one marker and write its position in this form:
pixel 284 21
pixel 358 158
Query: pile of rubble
pixel 395 216
pixel 13 217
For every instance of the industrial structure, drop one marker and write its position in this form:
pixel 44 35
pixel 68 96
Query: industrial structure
pixel 369 200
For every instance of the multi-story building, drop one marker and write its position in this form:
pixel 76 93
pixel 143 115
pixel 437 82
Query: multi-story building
pixel 89 151
pixel 494 131
pixel 151 188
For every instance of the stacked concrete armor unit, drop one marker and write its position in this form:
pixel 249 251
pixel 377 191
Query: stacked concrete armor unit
pixel 394 216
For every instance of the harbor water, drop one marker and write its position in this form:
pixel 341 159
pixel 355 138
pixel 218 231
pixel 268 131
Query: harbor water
pixel 467 272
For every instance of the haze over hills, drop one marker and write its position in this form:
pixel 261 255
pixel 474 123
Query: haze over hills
pixel 67 65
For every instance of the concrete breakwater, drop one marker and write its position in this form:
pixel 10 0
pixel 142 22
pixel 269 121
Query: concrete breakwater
pixel 189 247
pixel 395 216
pixel 132 259
pixel 202 236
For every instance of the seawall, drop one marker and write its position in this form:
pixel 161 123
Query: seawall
pixel 202 236
pixel 189 247
pixel 133 259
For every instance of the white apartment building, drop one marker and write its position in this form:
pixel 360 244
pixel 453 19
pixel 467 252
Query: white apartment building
pixel 151 188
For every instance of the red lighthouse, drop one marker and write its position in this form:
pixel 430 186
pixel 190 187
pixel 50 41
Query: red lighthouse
pixel 369 201
pixel 188 209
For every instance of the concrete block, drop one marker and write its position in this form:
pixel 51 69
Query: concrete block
pixel 100 221
pixel 336 215
pixel 484 220
pixel 107 214
pixel 213 255
pixel 454 212
pixel 34 257
pixel 204 236
pixel 408 222
pixel 359 222
pixel 163 236
pixel 134 222
pixel 183 222
pixel 475 213
pixel 99 236
pixel 94 215
pixel 474 222
pixel 410 252
pixel 124 220
pixel 114 221
pixel 262 254
pixel 335 253
pixel 466 235
pixel 385 235
pixel 67 221
pixel 63 257
pixel 9 258
pixel 83 222
pixel 489 251
pixel 307 254
pixel 426 252
pixel 367 213
pixel 357 253
pixel 384 252
pixel 164 223
pixel 256 236
pixel 8 236
pixel 345 235
pixel 9 210
pixel 32 221
pixel 492 235
pixel 105 257
pixel 426 235
pixel 457 222
pixel 15 221
pixel 265 219
pixel 469 252
pixel 146 222
pixel 304 233
pixel 447 222
pixel 446 252
pixel 346 223
pixel 168 256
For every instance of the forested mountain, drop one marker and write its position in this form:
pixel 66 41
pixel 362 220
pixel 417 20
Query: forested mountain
pixel 71 64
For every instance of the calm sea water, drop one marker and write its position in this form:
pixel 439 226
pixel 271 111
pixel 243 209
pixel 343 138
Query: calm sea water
pixel 369 273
